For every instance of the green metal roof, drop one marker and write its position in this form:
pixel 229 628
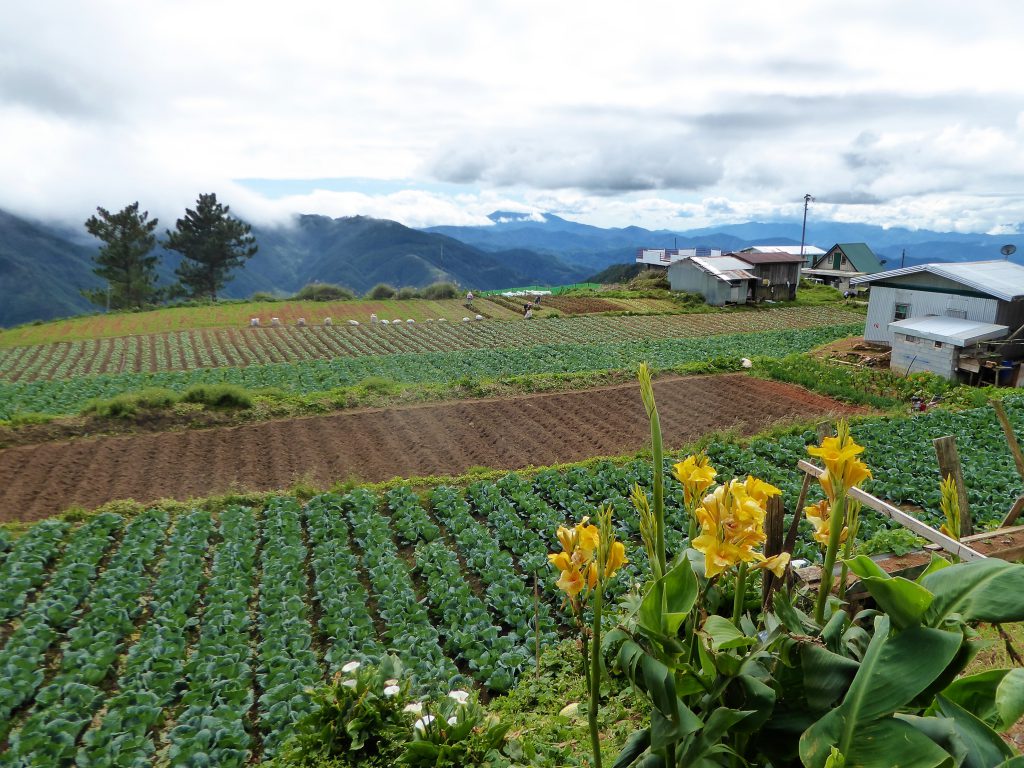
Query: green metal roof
pixel 859 255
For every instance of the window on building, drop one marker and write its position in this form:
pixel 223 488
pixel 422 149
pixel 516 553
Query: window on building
pixel 938 345
pixel 960 313
pixel 902 312
pixel 837 261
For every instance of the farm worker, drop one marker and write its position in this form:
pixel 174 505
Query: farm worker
pixel 469 296
pixel 528 315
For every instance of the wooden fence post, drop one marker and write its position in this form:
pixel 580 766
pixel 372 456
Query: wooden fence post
pixel 1011 436
pixel 949 464
pixel 775 512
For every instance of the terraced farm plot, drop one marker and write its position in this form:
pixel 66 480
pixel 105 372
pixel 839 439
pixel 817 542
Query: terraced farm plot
pixel 237 315
pixel 230 347
pixel 41 480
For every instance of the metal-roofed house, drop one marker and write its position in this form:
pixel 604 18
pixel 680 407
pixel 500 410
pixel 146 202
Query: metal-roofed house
pixel 941 345
pixel 666 257
pixel 777 273
pixel 809 252
pixel 985 295
pixel 843 262
pixel 719 279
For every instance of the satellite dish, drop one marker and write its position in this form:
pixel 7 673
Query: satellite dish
pixel 1008 250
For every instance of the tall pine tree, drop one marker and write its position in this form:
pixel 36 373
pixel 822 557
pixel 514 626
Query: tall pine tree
pixel 212 243
pixel 125 259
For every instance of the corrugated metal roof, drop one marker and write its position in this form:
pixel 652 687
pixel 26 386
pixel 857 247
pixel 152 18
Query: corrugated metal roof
pixel 724 267
pixel 809 250
pixel 861 257
pixel 1001 279
pixel 951 330
pixel 775 257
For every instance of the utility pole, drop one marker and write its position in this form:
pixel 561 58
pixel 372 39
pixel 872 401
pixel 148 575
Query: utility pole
pixel 903 258
pixel 803 232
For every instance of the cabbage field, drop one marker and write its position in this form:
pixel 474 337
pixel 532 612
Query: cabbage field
pixel 190 638
pixel 232 347
pixel 68 396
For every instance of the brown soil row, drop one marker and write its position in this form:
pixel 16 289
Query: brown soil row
pixel 37 481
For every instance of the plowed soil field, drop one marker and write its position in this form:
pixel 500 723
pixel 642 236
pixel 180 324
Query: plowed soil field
pixel 41 480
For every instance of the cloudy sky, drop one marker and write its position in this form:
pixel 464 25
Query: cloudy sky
pixel 675 115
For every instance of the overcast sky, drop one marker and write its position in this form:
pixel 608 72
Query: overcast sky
pixel 675 115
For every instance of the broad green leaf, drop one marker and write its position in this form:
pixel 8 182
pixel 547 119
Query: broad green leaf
pixel 1013 762
pixel 724 634
pixel 635 746
pixel 905 601
pixel 888 743
pixel 983 590
pixel 832 633
pixel 937 563
pixel 941 730
pixel 672 597
pixel 865 567
pixel 984 747
pixel 827 676
pixel 976 693
pixel 1010 699
pixel 895 669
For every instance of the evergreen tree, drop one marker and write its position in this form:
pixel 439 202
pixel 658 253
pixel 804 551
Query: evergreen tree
pixel 125 259
pixel 212 243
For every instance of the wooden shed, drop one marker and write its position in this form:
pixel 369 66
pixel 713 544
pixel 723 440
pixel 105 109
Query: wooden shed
pixel 719 279
pixel 777 273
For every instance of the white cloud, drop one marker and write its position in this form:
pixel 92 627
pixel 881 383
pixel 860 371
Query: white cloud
pixel 668 115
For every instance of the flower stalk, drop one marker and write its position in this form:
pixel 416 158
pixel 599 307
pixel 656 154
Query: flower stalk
pixel 843 472
pixel 657 451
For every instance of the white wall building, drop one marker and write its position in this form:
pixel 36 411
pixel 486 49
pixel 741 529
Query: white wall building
pixel 980 291
pixel 936 344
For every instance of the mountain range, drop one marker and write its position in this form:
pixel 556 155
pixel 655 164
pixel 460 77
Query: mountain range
pixel 44 266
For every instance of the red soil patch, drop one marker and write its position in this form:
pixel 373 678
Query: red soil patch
pixel 37 481
pixel 580 305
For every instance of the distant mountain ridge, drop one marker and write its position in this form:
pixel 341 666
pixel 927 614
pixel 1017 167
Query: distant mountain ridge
pixel 42 270
pixel 43 267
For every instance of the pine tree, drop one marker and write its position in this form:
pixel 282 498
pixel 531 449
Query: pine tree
pixel 212 243
pixel 125 259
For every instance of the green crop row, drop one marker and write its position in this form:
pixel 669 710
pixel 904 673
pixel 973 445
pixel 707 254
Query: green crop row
pixel 189 350
pixel 70 396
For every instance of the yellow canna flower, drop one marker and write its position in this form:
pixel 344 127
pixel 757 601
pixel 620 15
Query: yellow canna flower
pixel 587 537
pixel 839 454
pixel 562 561
pixel 776 564
pixel 616 558
pixel 592 575
pixel 567 538
pixel 696 475
pixel 570 582
pixel 719 556
pixel 732 524
pixel 759 490
pixel 820 517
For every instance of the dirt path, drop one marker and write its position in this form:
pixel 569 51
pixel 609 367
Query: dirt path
pixel 41 480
